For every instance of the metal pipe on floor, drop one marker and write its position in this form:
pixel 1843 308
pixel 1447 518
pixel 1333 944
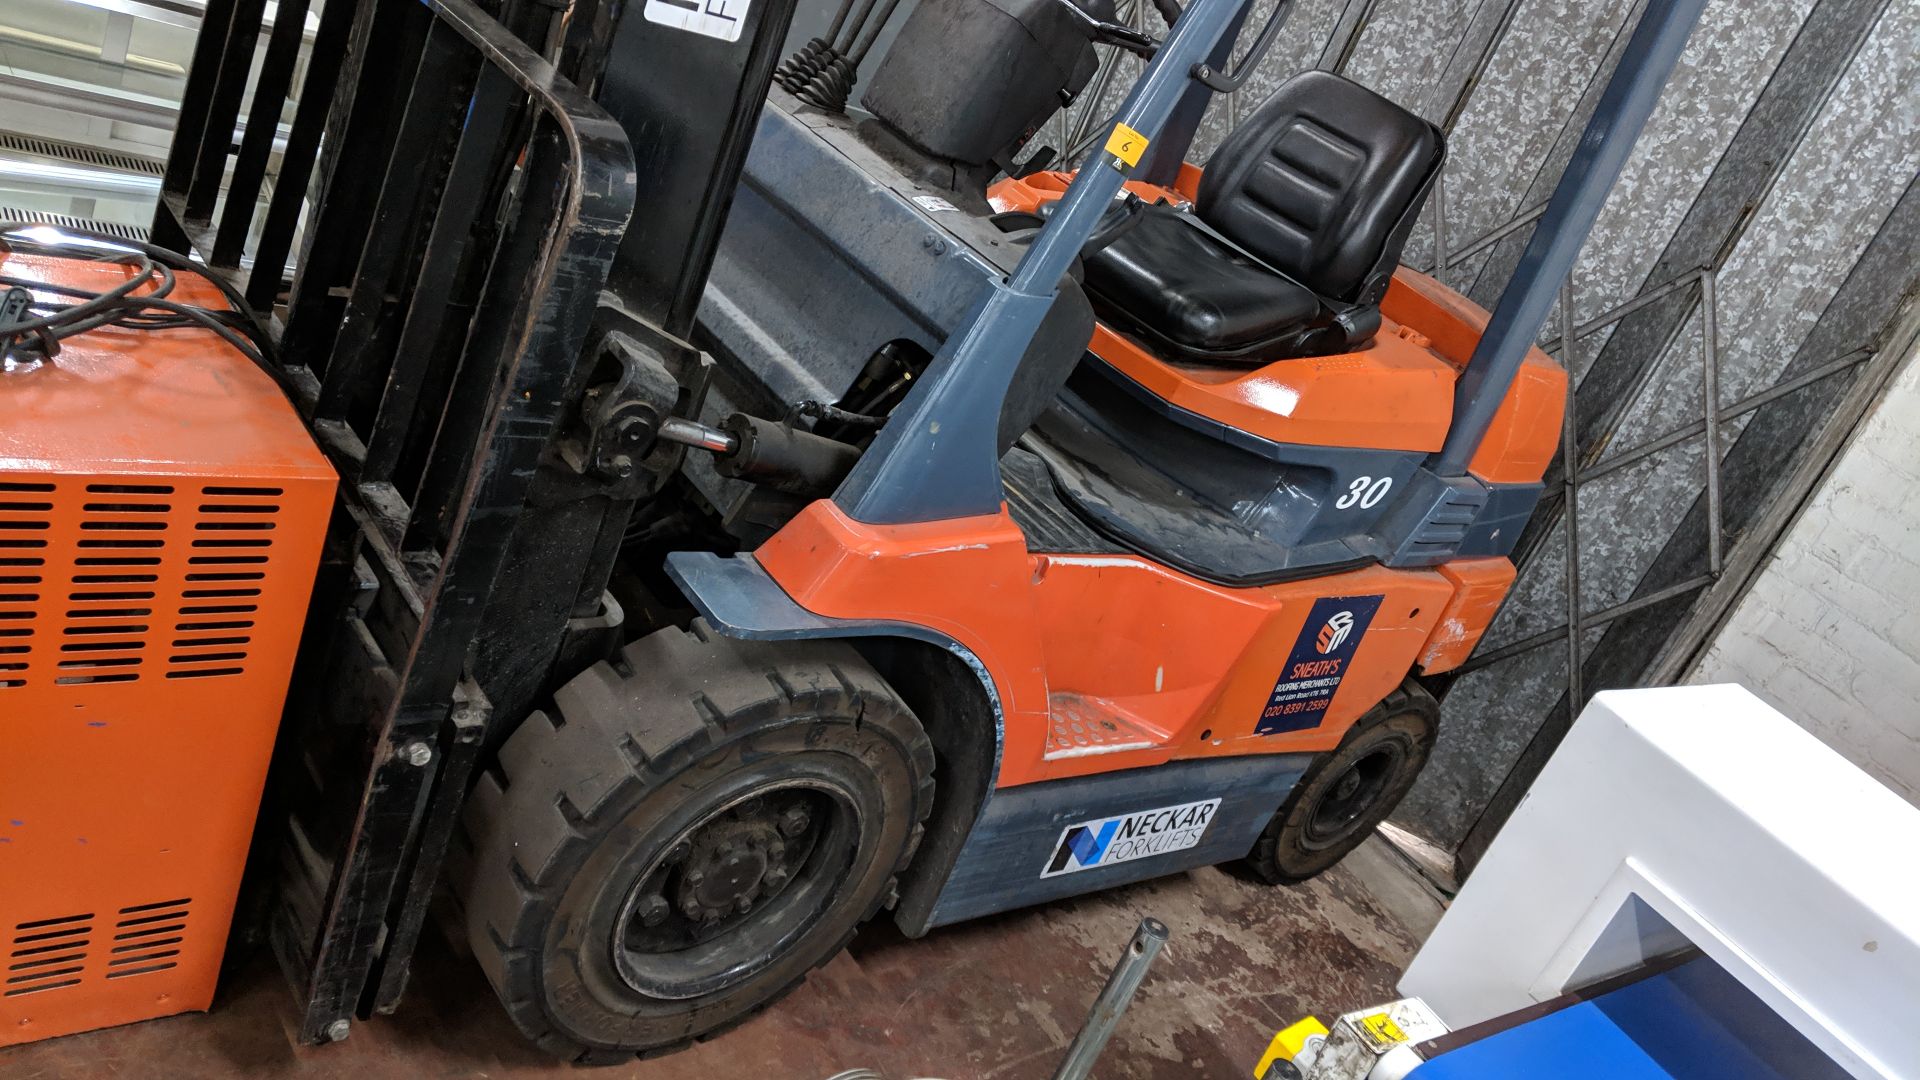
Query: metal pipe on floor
pixel 1112 1002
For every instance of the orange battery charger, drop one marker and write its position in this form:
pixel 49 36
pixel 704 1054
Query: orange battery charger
pixel 161 514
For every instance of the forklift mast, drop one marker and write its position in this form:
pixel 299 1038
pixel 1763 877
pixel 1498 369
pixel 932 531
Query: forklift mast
pixel 466 203
pixel 492 315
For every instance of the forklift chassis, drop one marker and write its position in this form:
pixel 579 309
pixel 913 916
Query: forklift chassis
pixel 535 612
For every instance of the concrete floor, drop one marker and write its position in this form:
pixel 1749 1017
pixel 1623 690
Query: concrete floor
pixel 995 999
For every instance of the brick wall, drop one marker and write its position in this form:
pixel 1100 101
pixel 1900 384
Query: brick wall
pixel 1830 632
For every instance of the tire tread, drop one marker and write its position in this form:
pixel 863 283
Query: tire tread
pixel 1264 861
pixel 610 740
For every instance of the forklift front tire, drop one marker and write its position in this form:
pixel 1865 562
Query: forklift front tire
pixel 1349 790
pixel 679 843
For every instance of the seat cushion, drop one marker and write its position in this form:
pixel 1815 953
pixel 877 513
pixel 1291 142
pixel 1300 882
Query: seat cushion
pixel 1196 297
pixel 1322 183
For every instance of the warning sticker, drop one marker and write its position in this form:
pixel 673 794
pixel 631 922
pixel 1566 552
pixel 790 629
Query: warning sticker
pixel 723 19
pixel 1126 145
pixel 1380 1028
pixel 1317 663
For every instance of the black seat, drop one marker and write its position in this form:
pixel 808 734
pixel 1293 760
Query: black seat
pixel 1294 236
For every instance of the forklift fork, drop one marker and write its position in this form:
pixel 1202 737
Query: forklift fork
pixel 470 204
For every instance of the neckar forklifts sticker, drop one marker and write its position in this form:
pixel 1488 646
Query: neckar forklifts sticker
pixel 1126 837
pixel 1318 661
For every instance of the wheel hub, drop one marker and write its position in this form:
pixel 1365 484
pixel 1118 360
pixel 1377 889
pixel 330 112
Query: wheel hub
pixel 1348 784
pixel 1350 797
pixel 731 889
pixel 732 866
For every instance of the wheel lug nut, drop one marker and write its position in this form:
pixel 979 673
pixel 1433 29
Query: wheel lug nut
pixel 695 877
pixel 653 911
pixel 794 822
pixel 743 905
pixel 777 851
pixel 776 877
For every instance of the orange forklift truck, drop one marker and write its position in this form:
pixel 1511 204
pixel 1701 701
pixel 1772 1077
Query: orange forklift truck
pixel 751 517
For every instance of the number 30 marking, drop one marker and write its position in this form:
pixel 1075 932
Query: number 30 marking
pixel 1364 491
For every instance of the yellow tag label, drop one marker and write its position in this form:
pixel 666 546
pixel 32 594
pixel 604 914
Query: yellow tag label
pixel 1126 144
pixel 1383 1030
pixel 1289 1044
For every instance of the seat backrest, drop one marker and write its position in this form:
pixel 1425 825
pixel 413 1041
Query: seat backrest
pixel 1323 182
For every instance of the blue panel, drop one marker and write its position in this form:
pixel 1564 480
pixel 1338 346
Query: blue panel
pixel 1019 835
pixel 1698 1021
pixel 1576 1043
pixel 742 600
pixel 1497 527
pixel 1694 1022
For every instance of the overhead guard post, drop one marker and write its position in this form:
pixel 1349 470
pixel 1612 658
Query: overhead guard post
pixel 1617 121
pixel 937 457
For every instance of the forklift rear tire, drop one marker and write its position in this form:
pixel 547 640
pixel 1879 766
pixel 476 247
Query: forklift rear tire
pixel 680 842
pixel 1348 791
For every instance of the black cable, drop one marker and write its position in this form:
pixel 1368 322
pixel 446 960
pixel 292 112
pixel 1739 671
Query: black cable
pixel 96 308
pixel 820 410
pixel 126 304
